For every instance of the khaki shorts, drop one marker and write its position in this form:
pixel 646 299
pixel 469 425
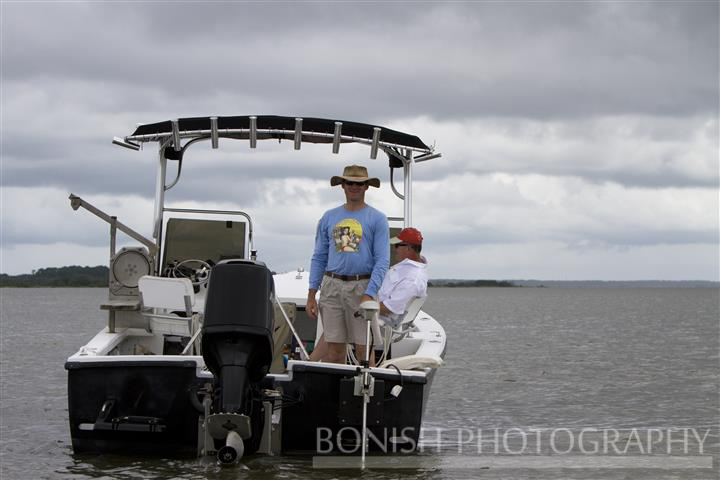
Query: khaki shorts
pixel 338 304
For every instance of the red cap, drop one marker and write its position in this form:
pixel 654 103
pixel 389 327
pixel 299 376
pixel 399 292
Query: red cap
pixel 408 235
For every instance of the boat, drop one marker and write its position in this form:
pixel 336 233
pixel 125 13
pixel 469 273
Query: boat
pixel 205 351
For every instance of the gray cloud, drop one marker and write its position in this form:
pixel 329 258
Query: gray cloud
pixel 635 152
pixel 461 60
pixel 596 103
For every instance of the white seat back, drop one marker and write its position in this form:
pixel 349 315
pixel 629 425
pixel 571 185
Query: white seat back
pixel 166 293
pixel 412 309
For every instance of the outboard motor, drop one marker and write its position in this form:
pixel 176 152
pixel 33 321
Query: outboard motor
pixel 237 346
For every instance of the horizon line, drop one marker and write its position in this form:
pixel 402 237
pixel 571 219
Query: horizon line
pixel 462 279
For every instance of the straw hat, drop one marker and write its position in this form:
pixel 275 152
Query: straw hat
pixel 355 173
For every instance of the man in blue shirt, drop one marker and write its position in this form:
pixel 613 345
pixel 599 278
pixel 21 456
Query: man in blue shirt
pixel 350 260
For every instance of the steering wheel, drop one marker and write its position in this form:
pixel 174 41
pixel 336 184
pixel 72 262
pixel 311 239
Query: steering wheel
pixel 198 271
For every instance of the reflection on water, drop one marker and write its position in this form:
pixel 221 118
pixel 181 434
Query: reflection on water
pixel 519 360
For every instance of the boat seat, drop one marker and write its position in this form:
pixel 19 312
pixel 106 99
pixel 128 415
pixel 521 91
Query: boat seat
pixel 407 321
pixel 167 295
pixel 413 308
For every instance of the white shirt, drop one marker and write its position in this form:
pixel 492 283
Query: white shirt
pixel 402 281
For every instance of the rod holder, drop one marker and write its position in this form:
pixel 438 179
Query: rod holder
pixel 298 133
pixel 426 157
pixel 176 135
pixel 375 143
pixel 125 143
pixel 253 132
pixel 214 132
pixel 336 137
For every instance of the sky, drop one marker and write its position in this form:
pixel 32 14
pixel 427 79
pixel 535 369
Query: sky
pixel 579 140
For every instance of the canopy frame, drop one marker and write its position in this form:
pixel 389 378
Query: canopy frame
pixel 403 150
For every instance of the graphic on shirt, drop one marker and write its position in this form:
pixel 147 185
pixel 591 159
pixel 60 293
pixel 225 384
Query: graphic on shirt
pixel 347 235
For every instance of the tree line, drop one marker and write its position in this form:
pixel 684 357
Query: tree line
pixel 76 276
pixel 72 276
pixel 470 283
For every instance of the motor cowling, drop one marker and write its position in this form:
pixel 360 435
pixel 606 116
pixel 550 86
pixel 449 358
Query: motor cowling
pixel 237 341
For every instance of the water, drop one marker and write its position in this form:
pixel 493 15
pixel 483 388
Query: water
pixel 525 361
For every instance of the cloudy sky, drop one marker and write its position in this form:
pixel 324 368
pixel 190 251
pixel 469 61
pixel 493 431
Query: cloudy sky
pixel 579 140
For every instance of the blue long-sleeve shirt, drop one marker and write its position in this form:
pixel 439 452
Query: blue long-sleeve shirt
pixel 351 243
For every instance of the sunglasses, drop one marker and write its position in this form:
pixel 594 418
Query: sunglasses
pixel 354 184
pixel 400 245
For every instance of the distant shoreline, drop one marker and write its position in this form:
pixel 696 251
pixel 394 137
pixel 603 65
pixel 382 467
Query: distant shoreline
pixel 72 276
pixel 617 283
pixel 77 276
pixel 575 283
pixel 469 283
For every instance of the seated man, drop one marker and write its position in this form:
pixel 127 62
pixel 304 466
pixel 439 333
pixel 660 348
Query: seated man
pixel 403 281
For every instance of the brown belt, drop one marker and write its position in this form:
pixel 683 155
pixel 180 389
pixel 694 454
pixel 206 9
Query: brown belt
pixel 347 278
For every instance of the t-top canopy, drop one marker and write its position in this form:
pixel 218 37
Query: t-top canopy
pixel 313 130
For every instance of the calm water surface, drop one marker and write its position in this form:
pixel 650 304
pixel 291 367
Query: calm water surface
pixel 526 359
